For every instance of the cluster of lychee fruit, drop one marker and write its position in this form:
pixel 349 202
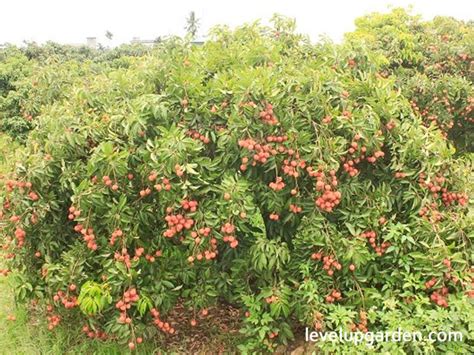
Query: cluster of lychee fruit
pixel 268 116
pixel 228 230
pixel 145 192
pixel 371 236
pixel 189 205
pixel 10 185
pixel 53 321
pixel 290 167
pixel 450 198
pixel 318 319
pixel 334 296
pixel 439 297
pixel 108 182
pixel 399 175
pixel 277 185
pixel 431 212
pixel 276 139
pixel 20 236
pixel 129 297
pixel 5 272
pixel 390 125
pixel 330 197
pixel 94 334
pixel 329 262
pixel 124 257
pixel 358 153
pixel 117 233
pixel 178 169
pixel 88 235
pixel 163 326
pixel 150 257
pixel 295 209
pixel 176 223
pixel 261 152
pixel 15 219
pixel 435 186
pixel 196 135
pixel 73 213
pixel 362 325
pixel 271 299
pixel 274 216
pixel 164 185
pixel 208 254
pixel 68 301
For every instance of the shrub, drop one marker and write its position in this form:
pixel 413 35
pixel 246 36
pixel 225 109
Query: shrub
pixel 35 76
pixel 432 61
pixel 257 170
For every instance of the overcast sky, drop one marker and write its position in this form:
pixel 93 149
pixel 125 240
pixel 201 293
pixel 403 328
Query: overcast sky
pixel 72 21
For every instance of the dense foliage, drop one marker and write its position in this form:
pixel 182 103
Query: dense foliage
pixel 33 76
pixel 433 63
pixel 298 182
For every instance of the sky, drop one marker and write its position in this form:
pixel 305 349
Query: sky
pixel 72 21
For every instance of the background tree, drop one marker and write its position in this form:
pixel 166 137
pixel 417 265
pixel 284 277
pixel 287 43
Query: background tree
pixel 192 24
pixel 109 35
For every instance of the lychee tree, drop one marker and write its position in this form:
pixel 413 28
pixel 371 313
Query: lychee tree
pixel 285 178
